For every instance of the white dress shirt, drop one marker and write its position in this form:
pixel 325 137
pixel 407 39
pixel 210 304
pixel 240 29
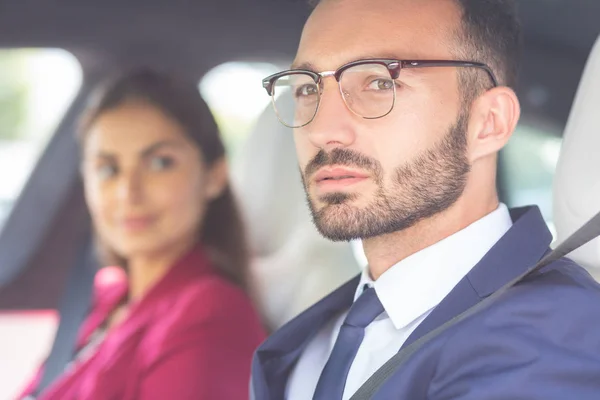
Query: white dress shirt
pixel 408 291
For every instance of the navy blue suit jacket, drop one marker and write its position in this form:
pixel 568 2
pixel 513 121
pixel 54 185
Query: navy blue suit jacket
pixel 541 340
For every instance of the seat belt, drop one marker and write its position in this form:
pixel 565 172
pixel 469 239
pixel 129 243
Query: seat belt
pixel 73 310
pixel 583 235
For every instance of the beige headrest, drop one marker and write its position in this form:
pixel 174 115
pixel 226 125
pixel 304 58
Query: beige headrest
pixel 577 179
pixel 294 266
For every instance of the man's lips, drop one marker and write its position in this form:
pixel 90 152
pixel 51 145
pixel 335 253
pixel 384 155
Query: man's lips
pixel 338 177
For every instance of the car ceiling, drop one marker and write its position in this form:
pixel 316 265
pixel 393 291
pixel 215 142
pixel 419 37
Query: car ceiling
pixel 194 36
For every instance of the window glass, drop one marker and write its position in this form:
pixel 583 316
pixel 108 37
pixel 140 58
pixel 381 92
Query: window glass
pixel 36 88
pixel 527 164
pixel 236 97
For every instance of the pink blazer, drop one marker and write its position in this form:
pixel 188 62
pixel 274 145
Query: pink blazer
pixel 191 337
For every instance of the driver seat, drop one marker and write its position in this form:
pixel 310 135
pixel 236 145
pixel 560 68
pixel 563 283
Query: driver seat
pixel 577 179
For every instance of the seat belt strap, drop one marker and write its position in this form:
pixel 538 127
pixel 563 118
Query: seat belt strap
pixel 73 310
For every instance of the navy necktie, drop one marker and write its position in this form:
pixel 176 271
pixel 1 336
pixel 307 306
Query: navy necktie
pixel 333 378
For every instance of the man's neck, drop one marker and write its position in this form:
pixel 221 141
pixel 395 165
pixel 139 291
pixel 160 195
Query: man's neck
pixel 385 251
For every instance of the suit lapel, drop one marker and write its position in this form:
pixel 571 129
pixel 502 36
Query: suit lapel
pixel 521 247
pixel 276 357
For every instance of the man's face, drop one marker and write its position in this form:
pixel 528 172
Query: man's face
pixel 367 177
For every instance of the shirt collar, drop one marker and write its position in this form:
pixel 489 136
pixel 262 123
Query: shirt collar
pixel 420 282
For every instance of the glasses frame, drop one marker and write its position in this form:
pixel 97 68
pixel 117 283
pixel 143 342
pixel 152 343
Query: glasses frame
pixel 393 66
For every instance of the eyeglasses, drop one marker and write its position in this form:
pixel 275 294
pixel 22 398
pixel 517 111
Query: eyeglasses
pixel 368 87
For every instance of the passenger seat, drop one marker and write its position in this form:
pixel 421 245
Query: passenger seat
pixel 293 265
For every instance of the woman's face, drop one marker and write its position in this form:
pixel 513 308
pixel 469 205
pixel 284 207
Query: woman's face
pixel 145 181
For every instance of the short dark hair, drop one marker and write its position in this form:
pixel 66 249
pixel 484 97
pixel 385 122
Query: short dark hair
pixel 490 33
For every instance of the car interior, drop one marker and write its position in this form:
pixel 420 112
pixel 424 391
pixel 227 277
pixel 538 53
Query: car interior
pixel 67 47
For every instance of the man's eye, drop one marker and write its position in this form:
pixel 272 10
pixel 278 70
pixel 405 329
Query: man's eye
pixel 107 171
pixel 306 90
pixel 161 163
pixel 381 84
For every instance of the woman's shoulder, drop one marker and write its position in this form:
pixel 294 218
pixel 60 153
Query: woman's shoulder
pixel 211 296
pixel 110 286
pixel 210 309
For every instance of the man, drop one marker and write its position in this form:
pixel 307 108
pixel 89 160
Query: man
pixel 400 151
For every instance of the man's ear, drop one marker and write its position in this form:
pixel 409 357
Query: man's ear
pixel 217 178
pixel 494 117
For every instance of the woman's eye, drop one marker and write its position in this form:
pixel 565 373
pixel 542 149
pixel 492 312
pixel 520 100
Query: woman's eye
pixel 161 163
pixel 381 84
pixel 107 171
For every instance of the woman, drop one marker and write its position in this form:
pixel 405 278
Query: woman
pixel 181 326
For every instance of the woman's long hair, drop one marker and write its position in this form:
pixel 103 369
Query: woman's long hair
pixel 222 231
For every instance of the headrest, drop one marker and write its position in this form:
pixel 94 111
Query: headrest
pixel 577 179
pixel 293 265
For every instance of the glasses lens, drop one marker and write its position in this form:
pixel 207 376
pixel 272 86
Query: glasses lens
pixel 296 99
pixel 368 90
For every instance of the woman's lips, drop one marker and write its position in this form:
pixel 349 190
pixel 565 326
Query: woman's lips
pixel 137 224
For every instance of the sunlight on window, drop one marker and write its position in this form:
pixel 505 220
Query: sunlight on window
pixel 236 97
pixel 529 162
pixel 36 88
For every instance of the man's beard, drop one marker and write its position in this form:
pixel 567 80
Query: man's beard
pixel 419 190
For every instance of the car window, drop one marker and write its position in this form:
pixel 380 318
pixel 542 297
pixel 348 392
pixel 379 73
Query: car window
pixel 36 88
pixel 527 166
pixel 236 97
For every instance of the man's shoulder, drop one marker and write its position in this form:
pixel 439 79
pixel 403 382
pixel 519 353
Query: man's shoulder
pixel 562 284
pixel 542 335
pixel 554 302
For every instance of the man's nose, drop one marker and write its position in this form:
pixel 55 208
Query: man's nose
pixel 334 124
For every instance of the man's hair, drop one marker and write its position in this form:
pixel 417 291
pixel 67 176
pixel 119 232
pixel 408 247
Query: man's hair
pixel 490 33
